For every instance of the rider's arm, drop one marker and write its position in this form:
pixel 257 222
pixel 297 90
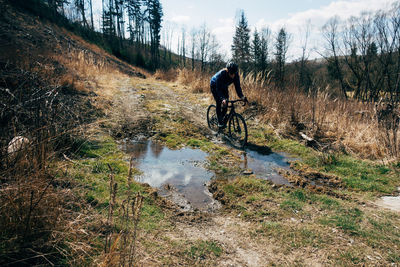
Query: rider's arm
pixel 236 82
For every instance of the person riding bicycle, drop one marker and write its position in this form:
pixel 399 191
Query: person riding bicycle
pixel 219 88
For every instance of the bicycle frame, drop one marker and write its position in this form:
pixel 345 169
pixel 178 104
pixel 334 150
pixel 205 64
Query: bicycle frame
pixel 231 108
pixel 237 129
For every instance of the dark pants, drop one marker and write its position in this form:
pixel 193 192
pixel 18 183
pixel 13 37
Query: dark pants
pixel 221 111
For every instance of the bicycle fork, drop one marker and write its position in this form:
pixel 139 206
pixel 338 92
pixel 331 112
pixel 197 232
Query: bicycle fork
pixel 236 125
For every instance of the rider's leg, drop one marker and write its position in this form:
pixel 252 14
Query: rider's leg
pixel 220 111
pixel 223 113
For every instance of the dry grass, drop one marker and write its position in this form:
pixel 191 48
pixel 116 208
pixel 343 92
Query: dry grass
pixel 198 82
pixel 49 93
pixel 336 124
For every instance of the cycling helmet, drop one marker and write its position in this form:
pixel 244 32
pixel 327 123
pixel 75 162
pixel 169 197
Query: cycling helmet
pixel 232 67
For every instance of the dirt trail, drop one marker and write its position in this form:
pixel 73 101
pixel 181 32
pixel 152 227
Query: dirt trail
pixel 229 232
pixel 147 109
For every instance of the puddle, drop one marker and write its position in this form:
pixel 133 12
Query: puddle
pixel 265 165
pixel 178 174
pixel 390 202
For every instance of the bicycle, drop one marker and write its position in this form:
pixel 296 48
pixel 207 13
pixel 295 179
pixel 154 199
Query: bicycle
pixel 237 128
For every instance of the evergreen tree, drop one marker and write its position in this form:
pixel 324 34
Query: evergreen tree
pixel 241 43
pixel 281 47
pixel 135 18
pixel 108 19
pixel 155 13
pixel 264 50
pixel 256 51
pixel 80 6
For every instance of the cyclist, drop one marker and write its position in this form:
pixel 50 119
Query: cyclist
pixel 219 88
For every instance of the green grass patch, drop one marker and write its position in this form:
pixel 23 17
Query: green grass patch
pixel 349 257
pixel 348 220
pixel 356 174
pixel 152 216
pixel 204 249
pixel 362 175
pixel 292 205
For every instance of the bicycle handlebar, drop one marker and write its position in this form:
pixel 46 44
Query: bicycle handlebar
pixel 238 100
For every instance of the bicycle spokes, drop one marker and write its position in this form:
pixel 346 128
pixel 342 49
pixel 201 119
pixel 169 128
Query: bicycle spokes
pixel 238 130
pixel 236 126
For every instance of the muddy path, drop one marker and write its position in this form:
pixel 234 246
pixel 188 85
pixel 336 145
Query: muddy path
pixel 138 103
pixel 304 220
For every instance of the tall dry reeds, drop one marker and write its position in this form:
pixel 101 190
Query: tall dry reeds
pixel 120 247
pixel 199 82
pixel 334 123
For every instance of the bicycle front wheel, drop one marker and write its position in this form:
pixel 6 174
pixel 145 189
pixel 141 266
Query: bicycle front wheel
pixel 212 119
pixel 237 130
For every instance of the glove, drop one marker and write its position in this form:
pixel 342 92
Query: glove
pixel 224 103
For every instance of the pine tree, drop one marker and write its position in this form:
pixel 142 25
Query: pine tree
pixel 256 51
pixel 108 19
pixel 241 43
pixel 80 6
pixel 155 13
pixel 281 47
pixel 135 18
pixel 264 50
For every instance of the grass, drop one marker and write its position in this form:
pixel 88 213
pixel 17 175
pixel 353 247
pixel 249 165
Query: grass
pixel 93 173
pixel 295 218
pixel 346 219
pixel 363 175
pixel 203 249
pixel 356 174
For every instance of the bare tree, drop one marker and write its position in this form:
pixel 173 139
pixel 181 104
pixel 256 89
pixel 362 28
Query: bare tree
pixel 91 14
pixel 330 33
pixel 204 38
pixel 183 47
pixel 80 7
pixel 193 37
pixel 304 72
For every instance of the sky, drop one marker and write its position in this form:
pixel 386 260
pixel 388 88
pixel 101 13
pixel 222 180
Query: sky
pixel 220 17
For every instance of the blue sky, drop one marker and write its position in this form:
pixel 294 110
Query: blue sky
pixel 220 16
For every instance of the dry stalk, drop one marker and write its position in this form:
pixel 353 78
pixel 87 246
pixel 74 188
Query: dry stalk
pixel 131 162
pixel 136 212
pixel 113 194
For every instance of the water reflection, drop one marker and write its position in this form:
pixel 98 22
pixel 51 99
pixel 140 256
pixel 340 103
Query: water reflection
pixel 264 164
pixel 179 168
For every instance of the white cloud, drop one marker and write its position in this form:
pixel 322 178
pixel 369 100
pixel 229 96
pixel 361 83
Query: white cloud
pixel 295 22
pixel 180 19
pixel 224 33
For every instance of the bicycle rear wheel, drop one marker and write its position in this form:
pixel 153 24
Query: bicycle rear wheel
pixel 212 119
pixel 237 130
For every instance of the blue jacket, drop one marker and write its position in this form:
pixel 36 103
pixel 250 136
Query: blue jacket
pixel 220 82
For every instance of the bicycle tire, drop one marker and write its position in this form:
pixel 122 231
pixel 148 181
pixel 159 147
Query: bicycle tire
pixel 238 130
pixel 212 119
